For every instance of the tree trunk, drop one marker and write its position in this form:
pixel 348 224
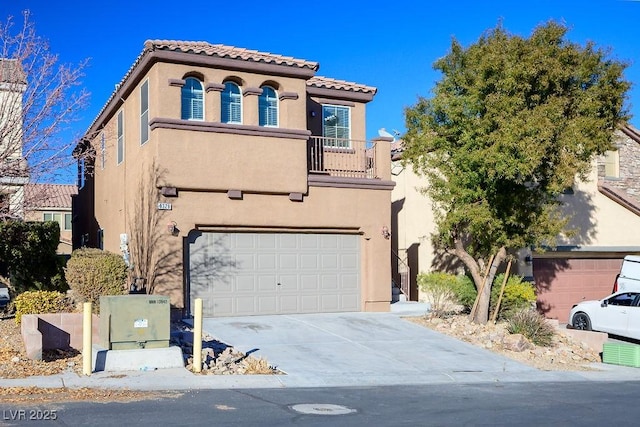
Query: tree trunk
pixel 482 309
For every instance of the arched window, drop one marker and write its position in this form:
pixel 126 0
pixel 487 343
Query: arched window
pixel 268 107
pixel 192 100
pixel 231 103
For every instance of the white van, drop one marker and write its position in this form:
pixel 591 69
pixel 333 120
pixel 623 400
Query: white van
pixel 629 277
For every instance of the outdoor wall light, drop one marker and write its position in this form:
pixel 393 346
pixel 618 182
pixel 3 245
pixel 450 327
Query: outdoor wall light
pixel 528 260
pixel 172 227
pixel 385 232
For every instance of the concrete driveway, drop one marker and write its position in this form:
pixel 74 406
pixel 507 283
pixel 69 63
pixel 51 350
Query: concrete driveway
pixel 361 349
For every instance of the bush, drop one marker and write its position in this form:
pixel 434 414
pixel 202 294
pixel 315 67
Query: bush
pixel 465 292
pixel 28 256
pixel 532 325
pixel 438 291
pixel 39 302
pixel 518 295
pixel 92 273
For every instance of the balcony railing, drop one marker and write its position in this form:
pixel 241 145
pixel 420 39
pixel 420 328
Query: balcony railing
pixel 342 157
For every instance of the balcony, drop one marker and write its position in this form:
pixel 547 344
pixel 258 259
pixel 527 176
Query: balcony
pixel 343 158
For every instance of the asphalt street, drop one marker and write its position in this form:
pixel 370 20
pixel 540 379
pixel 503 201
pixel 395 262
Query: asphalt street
pixel 485 404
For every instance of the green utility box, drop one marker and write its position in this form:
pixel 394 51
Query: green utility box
pixel 621 354
pixel 134 322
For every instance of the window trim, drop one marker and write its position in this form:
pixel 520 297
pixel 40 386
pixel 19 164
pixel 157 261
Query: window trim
pixel 144 113
pixel 193 97
pixel 327 139
pixel 231 95
pixel 264 103
pixel 120 137
pixel 611 162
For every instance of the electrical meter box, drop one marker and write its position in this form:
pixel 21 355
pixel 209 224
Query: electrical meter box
pixel 134 322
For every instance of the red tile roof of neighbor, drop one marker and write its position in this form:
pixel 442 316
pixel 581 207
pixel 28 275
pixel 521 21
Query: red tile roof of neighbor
pixel 38 196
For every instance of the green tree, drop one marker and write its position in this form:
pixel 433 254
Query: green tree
pixel 512 122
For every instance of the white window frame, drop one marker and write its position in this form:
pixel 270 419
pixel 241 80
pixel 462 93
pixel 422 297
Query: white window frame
pixel 81 172
pixel 270 105
pixel 611 160
pixel 195 95
pixel 59 217
pixel 144 112
pixel 224 101
pixel 331 141
pixel 103 151
pixel 120 136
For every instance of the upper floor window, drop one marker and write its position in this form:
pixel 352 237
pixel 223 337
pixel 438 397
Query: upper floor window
pixel 336 126
pixel 144 112
pixel 58 217
pixel 192 99
pixel 231 103
pixel 268 107
pixel 612 164
pixel 120 145
pixel 81 172
pixel 103 151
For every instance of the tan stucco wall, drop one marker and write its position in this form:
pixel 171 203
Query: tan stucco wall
pixel 600 221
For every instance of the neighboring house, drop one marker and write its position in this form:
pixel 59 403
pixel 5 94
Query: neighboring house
pixel 13 167
pixel 606 215
pixel 242 178
pixel 52 202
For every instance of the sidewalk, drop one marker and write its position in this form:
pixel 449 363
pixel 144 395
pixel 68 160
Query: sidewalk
pixel 338 350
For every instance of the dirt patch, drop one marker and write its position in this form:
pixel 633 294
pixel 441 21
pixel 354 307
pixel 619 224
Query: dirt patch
pixel 565 354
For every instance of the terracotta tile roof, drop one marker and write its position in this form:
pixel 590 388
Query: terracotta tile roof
pixel 230 52
pixel 39 196
pixel 327 83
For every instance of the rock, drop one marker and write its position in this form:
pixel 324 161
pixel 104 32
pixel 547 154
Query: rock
pixel 516 342
pixel 15 359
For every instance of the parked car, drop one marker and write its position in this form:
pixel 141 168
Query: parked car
pixel 629 277
pixel 4 297
pixel 617 314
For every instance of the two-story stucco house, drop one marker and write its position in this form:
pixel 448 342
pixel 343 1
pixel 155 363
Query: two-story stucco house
pixel 242 178
pixel 606 217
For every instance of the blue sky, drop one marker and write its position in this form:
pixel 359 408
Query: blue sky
pixel 390 45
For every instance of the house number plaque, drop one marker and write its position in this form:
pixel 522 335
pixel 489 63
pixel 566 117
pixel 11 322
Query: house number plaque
pixel 164 206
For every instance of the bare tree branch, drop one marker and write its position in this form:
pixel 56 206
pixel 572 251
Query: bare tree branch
pixel 39 99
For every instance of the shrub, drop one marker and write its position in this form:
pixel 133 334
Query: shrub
pixel 39 302
pixel 438 290
pixel 465 292
pixel 532 325
pixel 28 256
pixel 517 295
pixel 92 273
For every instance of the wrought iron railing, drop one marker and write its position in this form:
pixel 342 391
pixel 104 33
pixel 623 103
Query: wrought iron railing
pixel 342 157
pixel 403 278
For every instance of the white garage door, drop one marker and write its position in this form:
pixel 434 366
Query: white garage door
pixel 239 274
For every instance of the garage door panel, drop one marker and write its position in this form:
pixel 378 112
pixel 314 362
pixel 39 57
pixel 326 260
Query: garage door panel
pixel 271 273
pixel 288 261
pixel 561 283
pixel 309 262
pixel 309 283
pixel 329 261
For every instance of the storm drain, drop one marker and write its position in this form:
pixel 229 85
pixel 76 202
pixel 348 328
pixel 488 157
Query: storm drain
pixel 322 409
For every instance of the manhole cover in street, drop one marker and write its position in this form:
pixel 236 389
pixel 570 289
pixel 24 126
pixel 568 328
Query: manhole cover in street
pixel 322 409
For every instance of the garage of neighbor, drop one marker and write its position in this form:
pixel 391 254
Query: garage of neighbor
pixel 240 274
pixel 563 282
